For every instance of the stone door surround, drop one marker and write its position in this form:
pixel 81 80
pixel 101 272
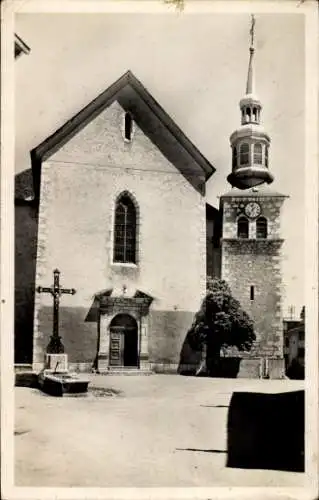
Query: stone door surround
pixel 136 306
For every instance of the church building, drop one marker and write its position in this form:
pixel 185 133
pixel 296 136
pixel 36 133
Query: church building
pixel 121 234
pixel 122 216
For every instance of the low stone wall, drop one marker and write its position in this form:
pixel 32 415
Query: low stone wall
pixel 164 367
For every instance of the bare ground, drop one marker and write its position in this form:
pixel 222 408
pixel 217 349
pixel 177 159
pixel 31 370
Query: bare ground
pixel 143 431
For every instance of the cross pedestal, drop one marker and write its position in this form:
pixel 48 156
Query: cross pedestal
pixel 55 358
pixel 56 362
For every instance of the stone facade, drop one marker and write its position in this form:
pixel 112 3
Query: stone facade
pixel 79 186
pixel 256 263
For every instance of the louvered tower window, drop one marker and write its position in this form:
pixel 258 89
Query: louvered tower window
pixel 242 227
pixel 125 230
pixel 258 154
pixel 261 228
pixel 234 157
pixel 244 154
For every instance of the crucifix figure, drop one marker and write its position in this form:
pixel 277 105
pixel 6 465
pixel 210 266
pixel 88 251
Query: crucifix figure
pixel 55 345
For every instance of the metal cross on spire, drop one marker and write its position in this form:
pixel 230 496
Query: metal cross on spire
pixel 252 30
pixel 250 75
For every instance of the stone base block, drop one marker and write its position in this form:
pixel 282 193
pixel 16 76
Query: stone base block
pixel 272 368
pixel 250 368
pixel 276 368
pixel 102 363
pixel 144 364
pixel 56 362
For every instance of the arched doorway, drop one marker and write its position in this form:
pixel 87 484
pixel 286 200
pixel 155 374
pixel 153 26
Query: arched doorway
pixel 123 341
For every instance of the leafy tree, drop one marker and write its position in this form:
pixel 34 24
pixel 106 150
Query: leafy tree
pixel 220 323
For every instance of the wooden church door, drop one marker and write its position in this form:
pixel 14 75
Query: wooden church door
pixel 117 346
pixel 123 341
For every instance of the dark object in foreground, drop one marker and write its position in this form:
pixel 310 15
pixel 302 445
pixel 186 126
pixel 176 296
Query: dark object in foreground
pixel 26 379
pixel 57 384
pixel 296 371
pixel 266 431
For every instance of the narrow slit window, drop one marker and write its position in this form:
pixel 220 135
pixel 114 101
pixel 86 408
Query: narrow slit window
pixel 252 293
pixel 128 126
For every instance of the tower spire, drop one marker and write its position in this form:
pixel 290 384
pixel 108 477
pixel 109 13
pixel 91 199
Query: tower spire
pixel 250 143
pixel 250 76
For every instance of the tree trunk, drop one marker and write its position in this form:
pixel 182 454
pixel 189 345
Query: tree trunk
pixel 202 370
pixel 213 359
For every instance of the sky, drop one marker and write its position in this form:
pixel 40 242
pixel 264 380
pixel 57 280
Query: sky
pixel 195 66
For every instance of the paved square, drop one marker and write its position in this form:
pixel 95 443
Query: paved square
pixel 161 430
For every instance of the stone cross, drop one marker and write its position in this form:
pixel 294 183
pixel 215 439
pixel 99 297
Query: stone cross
pixel 55 345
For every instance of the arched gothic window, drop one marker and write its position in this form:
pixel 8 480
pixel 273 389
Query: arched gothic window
pixel 261 228
pixel 242 227
pixel 234 157
pixel 258 154
pixel 244 154
pixel 124 249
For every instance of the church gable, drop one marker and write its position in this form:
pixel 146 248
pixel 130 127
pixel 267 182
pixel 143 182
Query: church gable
pixel 101 125
pixel 103 143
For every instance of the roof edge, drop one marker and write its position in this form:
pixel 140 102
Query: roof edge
pixel 73 125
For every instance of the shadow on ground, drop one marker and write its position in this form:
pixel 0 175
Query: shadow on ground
pixel 201 450
pixel 266 431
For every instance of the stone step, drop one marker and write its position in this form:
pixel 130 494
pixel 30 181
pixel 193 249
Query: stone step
pixel 114 370
pixel 22 367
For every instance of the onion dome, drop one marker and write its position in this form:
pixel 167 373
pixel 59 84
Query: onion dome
pixel 250 143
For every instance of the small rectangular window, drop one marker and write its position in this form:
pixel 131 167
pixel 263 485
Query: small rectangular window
pixel 252 293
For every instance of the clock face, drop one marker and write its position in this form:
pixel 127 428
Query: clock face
pixel 252 209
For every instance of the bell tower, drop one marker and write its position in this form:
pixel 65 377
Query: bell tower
pixel 251 236
pixel 250 143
